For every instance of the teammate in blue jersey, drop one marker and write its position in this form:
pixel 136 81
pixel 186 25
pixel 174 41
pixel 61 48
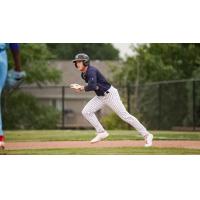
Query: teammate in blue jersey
pixel 15 75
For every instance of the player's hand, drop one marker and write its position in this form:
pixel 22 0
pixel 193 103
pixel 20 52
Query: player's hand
pixel 78 88
pixel 14 78
pixel 18 75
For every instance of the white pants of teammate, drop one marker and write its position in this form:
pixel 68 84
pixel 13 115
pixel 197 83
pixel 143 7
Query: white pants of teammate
pixel 112 100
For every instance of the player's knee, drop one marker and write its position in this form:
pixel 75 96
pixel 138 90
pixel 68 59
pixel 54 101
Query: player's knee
pixel 85 112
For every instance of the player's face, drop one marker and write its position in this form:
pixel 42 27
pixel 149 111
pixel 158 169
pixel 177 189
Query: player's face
pixel 80 65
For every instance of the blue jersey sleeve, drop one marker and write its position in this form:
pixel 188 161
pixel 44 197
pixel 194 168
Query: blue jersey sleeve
pixel 92 81
pixel 14 46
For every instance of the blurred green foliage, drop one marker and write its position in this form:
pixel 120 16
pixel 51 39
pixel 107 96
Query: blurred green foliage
pixel 35 61
pixel 96 51
pixel 159 62
pixel 162 105
pixel 23 111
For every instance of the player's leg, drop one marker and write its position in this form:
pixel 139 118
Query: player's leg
pixel 3 75
pixel 88 112
pixel 114 102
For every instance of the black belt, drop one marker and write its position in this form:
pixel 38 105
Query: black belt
pixel 107 92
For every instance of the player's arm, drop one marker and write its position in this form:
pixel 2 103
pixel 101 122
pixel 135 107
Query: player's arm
pixel 92 82
pixel 15 76
pixel 15 49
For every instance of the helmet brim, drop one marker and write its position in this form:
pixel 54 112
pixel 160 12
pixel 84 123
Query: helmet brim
pixel 74 61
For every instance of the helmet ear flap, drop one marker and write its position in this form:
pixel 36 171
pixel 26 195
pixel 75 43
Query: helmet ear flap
pixel 85 63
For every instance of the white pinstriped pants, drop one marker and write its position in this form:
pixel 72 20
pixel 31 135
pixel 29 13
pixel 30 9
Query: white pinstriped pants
pixel 112 100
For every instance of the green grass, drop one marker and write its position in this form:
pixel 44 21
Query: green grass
pixel 84 135
pixel 104 151
pixel 74 135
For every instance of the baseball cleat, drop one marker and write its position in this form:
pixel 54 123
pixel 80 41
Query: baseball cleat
pixel 2 145
pixel 99 137
pixel 148 140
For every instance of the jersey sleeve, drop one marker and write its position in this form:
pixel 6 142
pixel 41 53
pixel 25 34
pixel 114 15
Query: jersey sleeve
pixel 92 81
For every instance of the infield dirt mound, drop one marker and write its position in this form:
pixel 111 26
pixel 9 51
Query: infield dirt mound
pixel 86 144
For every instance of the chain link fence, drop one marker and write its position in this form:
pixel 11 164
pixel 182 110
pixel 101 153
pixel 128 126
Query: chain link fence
pixel 170 105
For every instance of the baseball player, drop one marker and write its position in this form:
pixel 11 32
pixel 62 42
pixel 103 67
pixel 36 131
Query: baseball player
pixel 14 77
pixel 106 95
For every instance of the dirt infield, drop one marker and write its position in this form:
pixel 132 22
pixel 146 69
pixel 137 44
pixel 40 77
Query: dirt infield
pixel 86 144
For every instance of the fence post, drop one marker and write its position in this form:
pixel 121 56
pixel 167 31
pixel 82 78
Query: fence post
pixel 159 105
pixel 194 104
pixel 63 107
pixel 128 100
pixel 128 97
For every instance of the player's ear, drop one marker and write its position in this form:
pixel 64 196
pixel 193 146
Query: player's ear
pixel 75 64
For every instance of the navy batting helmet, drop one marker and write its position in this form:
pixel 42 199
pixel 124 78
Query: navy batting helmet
pixel 82 57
